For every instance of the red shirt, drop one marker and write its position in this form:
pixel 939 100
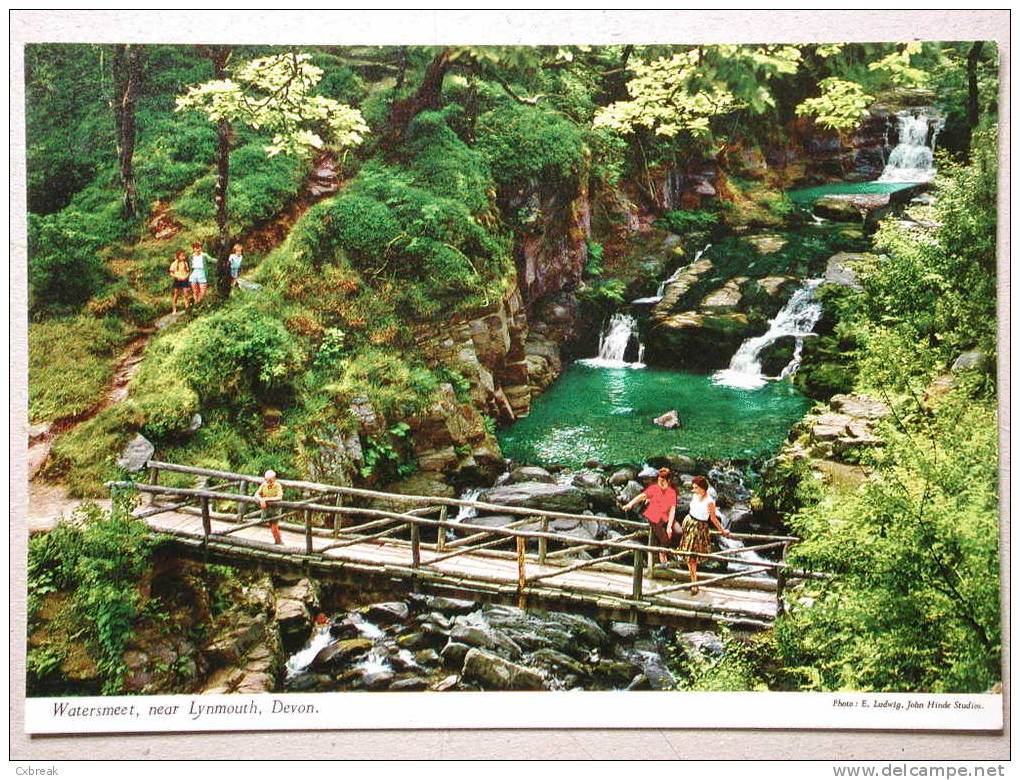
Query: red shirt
pixel 660 501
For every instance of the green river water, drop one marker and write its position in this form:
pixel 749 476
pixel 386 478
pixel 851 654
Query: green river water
pixel 606 414
pixel 811 194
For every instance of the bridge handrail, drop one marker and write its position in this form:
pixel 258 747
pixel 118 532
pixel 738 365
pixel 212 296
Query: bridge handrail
pixel 422 500
pixel 416 520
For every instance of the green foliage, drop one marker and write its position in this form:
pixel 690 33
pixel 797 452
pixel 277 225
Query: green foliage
pixel 523 143
pixel 461 386
pixel 64 267
pixel 596 257
pixel 683 92
pixel 85 457
pixel 240 351
pixel 70 362
pixel 388 455
pixel 914 604
pixel 441 163
pixel 732 670
pixel 395 386
pixel 684 222
pixel 99 557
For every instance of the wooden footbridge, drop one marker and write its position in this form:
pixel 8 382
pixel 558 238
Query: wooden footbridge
pixel 413 541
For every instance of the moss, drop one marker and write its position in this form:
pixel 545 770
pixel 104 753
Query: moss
pixel 522 143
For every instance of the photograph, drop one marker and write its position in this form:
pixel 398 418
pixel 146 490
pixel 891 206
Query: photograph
pixel 650 369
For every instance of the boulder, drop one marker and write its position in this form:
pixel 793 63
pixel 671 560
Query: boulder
pixel 388 612
pixel 538 495
pixel 409 683
pixel 530 474
pixel 974 358
pixel 630 491
pixel 670 419
pixel 557 661
pixel 621 477
pixel 839 270
pixel 495 673
pixel 339 653
pixel 453 654
pixel 136 454
pixel 766 244
pixel 699 644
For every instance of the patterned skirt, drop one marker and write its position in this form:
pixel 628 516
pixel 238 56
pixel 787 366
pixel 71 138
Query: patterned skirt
pixel 694 537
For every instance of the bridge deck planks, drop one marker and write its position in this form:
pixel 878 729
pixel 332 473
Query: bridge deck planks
pixel 752 603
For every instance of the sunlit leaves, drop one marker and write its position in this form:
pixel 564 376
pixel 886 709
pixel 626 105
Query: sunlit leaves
pixel 896 66
pixel 275 94
pixel 683 92
pixel 841 106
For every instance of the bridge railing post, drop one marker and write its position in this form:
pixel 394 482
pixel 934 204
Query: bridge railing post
pixel 638 573
pixel 415 553
pixel 153 480
pixel 242 489
pixel 308 525
pixel 206 522
pixel 651 555
pixel 338 520
pixel 441 533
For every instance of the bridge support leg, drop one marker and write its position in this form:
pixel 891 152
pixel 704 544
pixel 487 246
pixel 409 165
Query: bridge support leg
pixel 415 554
pixel 651 555
pixel 521 574
pixel 338 520
pixel 780 587
pixel 543 543
pixel 638 574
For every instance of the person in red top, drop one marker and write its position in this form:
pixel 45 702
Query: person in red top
pixel 661 509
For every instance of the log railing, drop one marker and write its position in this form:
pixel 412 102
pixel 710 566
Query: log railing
pixel 415 514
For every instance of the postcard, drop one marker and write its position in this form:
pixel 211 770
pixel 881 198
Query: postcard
pixel 589 384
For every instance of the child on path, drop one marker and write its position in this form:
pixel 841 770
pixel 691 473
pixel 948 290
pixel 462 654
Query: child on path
pixel 235 264
pixel 180 272
pixel 199 280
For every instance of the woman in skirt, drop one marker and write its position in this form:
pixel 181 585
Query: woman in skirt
pixel 695 535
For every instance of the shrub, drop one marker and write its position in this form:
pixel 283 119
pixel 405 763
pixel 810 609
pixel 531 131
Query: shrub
pixel 64 267
pixel 394 385
pixel 99 557
pixel 239 351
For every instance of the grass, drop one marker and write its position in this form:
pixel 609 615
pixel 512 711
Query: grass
pixel 70 362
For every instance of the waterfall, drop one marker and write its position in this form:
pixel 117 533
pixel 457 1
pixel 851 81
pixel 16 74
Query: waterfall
pixel 797 318
pixel 911 160
pixel 661 291
pixel 614 341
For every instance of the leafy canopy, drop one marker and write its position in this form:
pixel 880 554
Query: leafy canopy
pixel 275 94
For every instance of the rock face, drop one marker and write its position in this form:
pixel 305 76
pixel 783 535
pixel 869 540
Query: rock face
pixel 838 432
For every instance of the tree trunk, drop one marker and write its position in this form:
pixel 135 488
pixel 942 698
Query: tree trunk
pixel 972 84
pixel 219 56
pixel 425 98
pixel 127 76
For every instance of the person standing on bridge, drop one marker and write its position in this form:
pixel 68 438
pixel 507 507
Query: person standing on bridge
pixel 695 535
pixel 268 493
pixel 661 509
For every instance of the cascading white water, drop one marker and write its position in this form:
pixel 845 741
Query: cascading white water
pixel 797 318
pixel 912 158
pixel 614 341
pixel 750 556
pixel 301 660
pixel 661 291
